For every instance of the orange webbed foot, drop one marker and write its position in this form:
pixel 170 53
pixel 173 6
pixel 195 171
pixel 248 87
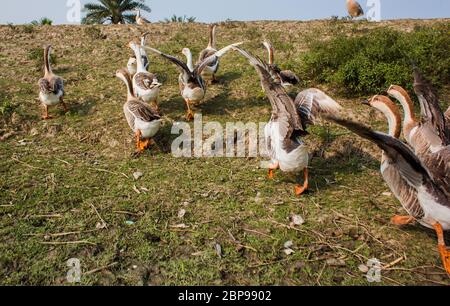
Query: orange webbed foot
pixel 402 220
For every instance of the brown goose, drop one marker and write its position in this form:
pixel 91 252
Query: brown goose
pixel 210 71
pixel 51 86
pixel 192 85
pixel 434 203
pixel 289 121
pixel 427 137
pixel 143 120
pixel 288 78
pixel 354 9
pixel 406 194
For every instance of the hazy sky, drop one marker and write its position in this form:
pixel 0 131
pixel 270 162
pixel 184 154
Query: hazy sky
pixel 215 10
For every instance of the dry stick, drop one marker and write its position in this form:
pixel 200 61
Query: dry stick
pixel 46 216
pixel 100 269
pixel 259 233
pixel 55 235
pixel 269 263
pixel 238 243
pixel 67 242
pixel 125 213
pixel 28 165
pixel 63 161
pixel 320 274
pixel 389 265
pixel 100 217
pixel 296 229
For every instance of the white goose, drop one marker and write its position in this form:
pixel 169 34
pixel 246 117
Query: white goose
pixel 192 85
pixel 51 86
pixel 289 121
pixel 142 119
pixel 145 84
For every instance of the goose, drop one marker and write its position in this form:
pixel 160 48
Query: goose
pixel 192 84
pixel 354 9
pixel 143 120
pixel 429 136
pixel 51 86
pixel 139 19
pixel 289 120
pixel 145 84
pixel 406 194
pixel 288 78
pixel 131 65
pixel 433 209
pixel 210 71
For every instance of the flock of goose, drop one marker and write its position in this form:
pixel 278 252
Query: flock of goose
pixel 417 171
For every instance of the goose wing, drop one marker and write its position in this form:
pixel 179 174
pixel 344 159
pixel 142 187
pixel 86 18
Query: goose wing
pixel 312 102
pixel 429 104
pixel 174 60
pixel 142 111
pixel 212 60
pixel 283 108
pixel 145 81
pixel 52 85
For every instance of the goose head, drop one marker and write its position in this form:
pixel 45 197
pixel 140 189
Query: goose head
pixel 187 52
pixel 390 110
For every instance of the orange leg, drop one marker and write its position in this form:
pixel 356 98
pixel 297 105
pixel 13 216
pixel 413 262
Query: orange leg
pixel 46 116
pixel 138 141
pixel 66 109
pixel 189 114
pixel 402 220
pixel 445 254
pixel 299 190
pixel 272 169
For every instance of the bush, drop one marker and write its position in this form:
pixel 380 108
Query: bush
pixel 370 63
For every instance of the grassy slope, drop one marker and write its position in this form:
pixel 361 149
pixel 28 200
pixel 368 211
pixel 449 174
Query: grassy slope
pixel 75 165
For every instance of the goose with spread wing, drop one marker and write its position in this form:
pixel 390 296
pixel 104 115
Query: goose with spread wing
pixel 139 19
pixel 192 84
pixel 51 86
pixel 143 120
pixel 210 70
pixel 411 182
pixel 288 78
pixel 289 121
pixel 429 136
pixel 145 84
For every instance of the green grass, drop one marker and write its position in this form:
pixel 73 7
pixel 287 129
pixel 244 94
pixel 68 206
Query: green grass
pixel 57 175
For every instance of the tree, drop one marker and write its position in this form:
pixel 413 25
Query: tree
pixel 113 11
pixel 42 21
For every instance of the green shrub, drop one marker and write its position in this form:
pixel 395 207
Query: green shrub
pixel 7 108
pixel 371 62
pixel 42 21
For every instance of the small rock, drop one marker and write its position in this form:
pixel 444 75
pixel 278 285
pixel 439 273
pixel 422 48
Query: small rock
pixel 288 244
pixel 297 220
pixel 181 213
pixel 137 175
pixel 363 268
pixel 288 251
pixel 218 249
pixel 129 222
